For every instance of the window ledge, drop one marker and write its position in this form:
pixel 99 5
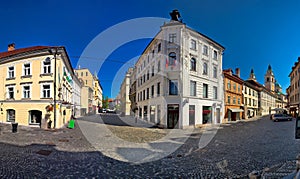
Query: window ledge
pixel 12 78
pixel 10 99
pixel 46 74
pixel 26 99
pixel 26 76
pixel 46 98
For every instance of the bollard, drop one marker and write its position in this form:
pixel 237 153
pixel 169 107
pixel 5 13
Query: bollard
pixel 14 127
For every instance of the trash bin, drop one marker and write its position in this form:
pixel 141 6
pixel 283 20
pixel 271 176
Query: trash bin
pixel 14 127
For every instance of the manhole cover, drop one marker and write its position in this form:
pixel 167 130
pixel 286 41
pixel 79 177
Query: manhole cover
pixel 44 152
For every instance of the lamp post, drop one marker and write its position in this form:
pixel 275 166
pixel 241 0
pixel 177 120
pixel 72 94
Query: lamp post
pixel 54 53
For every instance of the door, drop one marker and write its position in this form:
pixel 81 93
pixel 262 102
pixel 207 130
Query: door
pixel 218 115
pixel 173 116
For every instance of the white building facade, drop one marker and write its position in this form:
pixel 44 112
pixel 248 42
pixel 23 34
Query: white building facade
pixel 179 78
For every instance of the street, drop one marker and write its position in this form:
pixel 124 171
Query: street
pixel 236 150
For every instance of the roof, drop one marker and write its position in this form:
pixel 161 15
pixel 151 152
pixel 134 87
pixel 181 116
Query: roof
pixel 229 74
pixel 21 50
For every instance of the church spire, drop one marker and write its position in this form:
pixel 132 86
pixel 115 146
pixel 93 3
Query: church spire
pixel 252 75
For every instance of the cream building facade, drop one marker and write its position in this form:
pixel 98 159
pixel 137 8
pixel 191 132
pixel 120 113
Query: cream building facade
pixel 33 79
pixel 88 102
pixel 179 78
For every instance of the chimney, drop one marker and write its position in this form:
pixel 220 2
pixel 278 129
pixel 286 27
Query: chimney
pixel 237 72
pixel 11 47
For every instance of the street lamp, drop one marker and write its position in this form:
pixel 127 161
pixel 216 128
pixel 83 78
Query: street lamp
pixel 54 53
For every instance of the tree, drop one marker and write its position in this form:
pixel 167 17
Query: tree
pixel 105 102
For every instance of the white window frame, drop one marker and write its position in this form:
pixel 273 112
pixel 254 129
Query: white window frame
pixel 215 55
pixel 172 37
pixel 205 50
pixel 193 88
pixel 7 91
pixel 23 69
pixel 9 72
pixel 42 90
pixel 23 91
pixel 48 67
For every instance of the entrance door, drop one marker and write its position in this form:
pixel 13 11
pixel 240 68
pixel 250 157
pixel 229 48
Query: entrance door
pixel 173 116
pixel 218 113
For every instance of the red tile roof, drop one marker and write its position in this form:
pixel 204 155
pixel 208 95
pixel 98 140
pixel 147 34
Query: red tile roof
pixel 21 50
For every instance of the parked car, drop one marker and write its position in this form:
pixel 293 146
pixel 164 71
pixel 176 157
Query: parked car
pixel 103 110
pixel 281 117
pixel 111 111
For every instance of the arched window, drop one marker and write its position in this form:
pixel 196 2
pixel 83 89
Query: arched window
pixel 11 115
pixel 193 64
pixel 215 72
pixel 172 58
pixel 47 66
pixel 205 70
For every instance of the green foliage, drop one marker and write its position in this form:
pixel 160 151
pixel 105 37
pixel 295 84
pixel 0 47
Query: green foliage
pixel 105 102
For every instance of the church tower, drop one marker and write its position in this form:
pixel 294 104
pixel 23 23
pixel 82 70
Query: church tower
pixel 252 75
pixel 270 79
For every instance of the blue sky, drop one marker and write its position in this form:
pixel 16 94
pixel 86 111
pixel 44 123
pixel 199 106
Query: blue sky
pixel 255 33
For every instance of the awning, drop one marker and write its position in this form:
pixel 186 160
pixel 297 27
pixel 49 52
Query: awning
pixel 235 110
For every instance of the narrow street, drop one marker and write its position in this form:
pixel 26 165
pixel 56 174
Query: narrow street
pixel 236 150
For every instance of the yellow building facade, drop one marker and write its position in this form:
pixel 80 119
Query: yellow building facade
pixel 33 79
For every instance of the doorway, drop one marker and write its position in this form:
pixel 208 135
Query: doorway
pixel 173 116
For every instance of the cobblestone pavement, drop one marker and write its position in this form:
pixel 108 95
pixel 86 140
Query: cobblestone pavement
pixel 236 150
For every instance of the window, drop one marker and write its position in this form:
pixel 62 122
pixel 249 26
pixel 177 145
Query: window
pixel 11 115
pixel 193 45
pixel 193 64
pixel 143 94
pixel 215 57
pixel 228 99
pixel 215 72
pixel 205 70
pixel 249 101
pixel 147 93
pixel 253 102
pixel 26 69
pixel 158 66
pixel 46 92
pixel 148 75
pixel 47 66
pixel 158 89
pixel 234 86
pixel 249 91
pixel 245 100
pixel 205 50
pixel 81 73
pixel 11 72
pixel 172 38
pixel 173 87
pixel 152 74
pixel 239 100
pixel 228 85
pixel 215 92
pixel 252 93
pixel 205 90
pixel 234 100
pixel 86 73
pixel 239 88
pixel 35 117
pixel 193 88
pixel 172 59
pixel 245 90
pixel 159 47
pixel 26 91
pixel 152 55
pixel 152 91
pixel 10 92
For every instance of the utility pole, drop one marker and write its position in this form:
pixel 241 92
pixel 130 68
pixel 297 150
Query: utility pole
pixel 54 53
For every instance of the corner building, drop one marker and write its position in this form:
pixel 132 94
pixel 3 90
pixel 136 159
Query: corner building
pixel 179 79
